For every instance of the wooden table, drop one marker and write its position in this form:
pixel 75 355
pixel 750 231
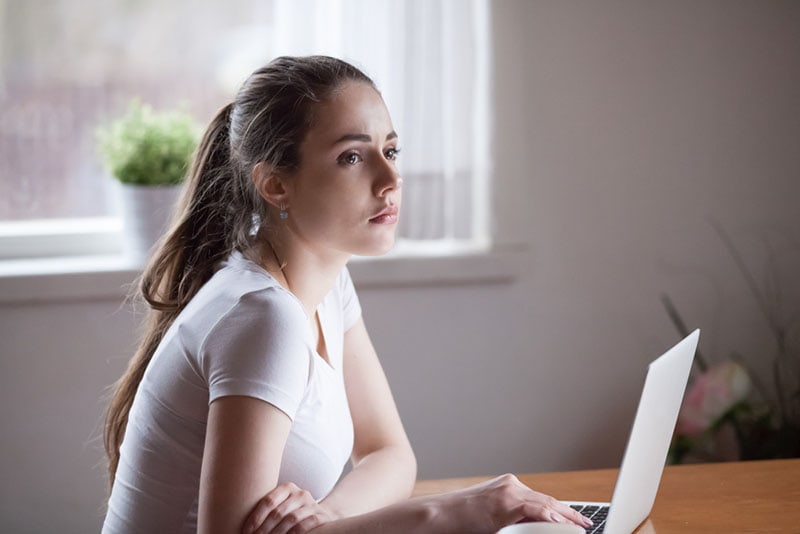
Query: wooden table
pixel 761 496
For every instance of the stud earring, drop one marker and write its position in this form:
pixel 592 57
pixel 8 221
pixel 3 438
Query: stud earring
pixel 284 213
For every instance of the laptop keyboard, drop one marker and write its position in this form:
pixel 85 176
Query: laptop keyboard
pixel 597 514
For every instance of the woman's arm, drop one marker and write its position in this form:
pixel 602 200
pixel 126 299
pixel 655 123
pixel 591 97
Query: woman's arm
pixel 244 445
pixel 483 509
pixel 384 467
pixel 373 496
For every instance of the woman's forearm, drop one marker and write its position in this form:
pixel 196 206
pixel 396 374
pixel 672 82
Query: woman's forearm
pixel 483 508
pixel 421 516
pixel 381 478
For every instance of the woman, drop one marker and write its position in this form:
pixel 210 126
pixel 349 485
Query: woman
pixel 256 379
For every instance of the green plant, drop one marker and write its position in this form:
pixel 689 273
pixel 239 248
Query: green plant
pixel 148 148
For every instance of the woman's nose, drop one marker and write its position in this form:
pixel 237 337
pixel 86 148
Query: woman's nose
pixel 389 180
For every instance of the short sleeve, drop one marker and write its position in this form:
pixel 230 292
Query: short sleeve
pixel 259 349
pixel 351 308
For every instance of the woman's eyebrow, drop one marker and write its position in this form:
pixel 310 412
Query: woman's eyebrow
pixel 362 137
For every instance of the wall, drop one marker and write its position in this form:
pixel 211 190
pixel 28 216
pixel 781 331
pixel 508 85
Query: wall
pixel 620 129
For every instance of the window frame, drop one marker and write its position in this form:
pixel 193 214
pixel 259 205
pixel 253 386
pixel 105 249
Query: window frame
pixel 112 277
pixel 55 238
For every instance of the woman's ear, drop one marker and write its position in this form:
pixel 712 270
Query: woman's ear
pixel 271 184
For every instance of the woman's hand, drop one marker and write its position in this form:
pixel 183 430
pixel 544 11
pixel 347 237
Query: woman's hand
pixel 499 502
pixel 286 509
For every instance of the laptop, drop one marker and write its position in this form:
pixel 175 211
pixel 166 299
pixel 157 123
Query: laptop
pixel 648 444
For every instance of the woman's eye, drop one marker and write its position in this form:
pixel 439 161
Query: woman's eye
pixel 392 153
pixel 350 158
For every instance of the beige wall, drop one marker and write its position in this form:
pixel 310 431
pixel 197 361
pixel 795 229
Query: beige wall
pixel 620 128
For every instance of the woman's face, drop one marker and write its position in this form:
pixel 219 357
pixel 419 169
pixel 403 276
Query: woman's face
pixel 346 195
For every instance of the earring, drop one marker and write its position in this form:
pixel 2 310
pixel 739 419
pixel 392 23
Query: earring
pixel 284 213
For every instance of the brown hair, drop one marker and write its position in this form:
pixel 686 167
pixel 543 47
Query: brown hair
pixel 220 209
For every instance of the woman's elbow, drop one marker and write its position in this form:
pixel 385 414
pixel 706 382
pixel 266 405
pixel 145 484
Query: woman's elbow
pixel 410 463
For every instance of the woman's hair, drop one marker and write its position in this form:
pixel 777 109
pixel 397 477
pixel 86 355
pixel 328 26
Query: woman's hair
pixel 220 210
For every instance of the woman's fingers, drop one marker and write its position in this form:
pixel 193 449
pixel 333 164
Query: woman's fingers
pixel 299 521
pixel 570 516
pixel 263 507
pixel 285 509
pixel 575 516
pixel 266 505
pixel 553 510
pixel 563 513
pixel 535 506
pixel 283 516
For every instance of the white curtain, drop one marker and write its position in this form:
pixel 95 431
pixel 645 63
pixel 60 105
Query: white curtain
pixel 429 58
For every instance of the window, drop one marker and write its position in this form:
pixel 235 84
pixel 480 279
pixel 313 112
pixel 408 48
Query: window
pixel 68 66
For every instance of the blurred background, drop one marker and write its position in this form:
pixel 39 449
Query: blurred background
pixel 573 162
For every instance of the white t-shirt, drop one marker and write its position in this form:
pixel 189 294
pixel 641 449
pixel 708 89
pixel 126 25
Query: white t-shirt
pixel 242 334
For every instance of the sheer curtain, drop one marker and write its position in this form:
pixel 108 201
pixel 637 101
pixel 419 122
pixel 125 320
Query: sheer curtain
pixel 429 58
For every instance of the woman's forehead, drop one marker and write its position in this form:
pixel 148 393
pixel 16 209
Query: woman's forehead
pixel 355 108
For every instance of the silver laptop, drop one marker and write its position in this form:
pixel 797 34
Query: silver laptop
pixel 648 444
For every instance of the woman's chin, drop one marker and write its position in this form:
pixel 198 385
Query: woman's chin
pixel 377 248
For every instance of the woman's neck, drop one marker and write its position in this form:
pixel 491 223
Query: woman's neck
pixel 308 274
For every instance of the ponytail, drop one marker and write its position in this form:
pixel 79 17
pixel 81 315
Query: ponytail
pixel 201 235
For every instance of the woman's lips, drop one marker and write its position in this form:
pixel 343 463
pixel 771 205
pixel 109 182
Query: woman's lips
pixel 388 215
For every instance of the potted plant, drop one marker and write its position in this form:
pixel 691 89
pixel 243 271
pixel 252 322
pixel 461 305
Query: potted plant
pixel 149 153
pixel 728 412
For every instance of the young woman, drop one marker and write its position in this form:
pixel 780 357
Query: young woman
pixel 256 380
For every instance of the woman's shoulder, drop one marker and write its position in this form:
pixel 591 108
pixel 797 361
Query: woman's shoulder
pixel 239 270
pixel 240 290
pixel 240 310
pixel 238 278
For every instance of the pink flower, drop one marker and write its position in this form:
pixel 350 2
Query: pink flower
pixel 710 396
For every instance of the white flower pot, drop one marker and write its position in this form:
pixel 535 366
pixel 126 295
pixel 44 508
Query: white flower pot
pixel 146 212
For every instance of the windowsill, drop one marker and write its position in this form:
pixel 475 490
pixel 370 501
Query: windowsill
pixel 40 280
